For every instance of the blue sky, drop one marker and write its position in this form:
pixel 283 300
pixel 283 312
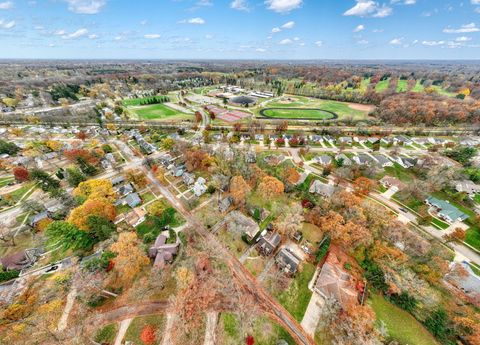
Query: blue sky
pixel 240 29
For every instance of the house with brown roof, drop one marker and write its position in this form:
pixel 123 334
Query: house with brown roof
pixel 162 251
pixel 392 182
pixel 335 282
pixel 136 216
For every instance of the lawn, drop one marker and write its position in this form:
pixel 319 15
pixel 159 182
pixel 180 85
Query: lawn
pixel 135 329
pixel 312 233
pixel 158 112
pixel 5 180
pixel 106 334
pixel 382 85
pixel 401 326
pixel 296 298
pixel 297 113
pixel 399 172
pixel 418 87
pixel 439 223
pixel 402 85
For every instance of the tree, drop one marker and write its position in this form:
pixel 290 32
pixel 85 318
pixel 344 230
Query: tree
pixel 47 183
pixel 21 174
pixel 438 324
pixel 148 335
pixel 8 148
pixel 363 185
pixel 75 176
pixel 95 189
pixel 167 143
pixel 291 221
pixel 68 236
pixel 156 208
pixel 54 145
pixel 81 135
pixel 100 228
pixel 270 187
pixel 137 177
pixel 92 207
pixel 130 258
pixel 239 189
pixel 457 235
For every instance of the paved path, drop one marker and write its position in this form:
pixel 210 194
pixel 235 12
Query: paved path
pixel 168 329
pixel 211 327
pixel 122 331
pixel 62 324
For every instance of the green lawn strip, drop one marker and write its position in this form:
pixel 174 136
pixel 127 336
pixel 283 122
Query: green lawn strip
pixel 382 85
pixel 106 334
pixel 399 172
pixel 364 84
pixel 146 197
pixel 121 209
pixel 296 298
pixel 401 326
pixel 439 223
pixel 475 269
pixel 418 87
pixel 473 237
pixel 402 85
pixel 5 181
pixel 138 324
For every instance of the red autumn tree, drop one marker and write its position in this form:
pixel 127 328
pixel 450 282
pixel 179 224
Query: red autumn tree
pixel 148 335
pixel 21 174
pixel 363 185
pixel 81 135
pixel 250 340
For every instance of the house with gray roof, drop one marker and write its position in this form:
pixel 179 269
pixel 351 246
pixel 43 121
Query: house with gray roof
pixel 345 140
pixel 467 186
pixel 445 210
pixel 269 243
pixel 162 251
pixel 133 200
pixel 323 189
pixel 323 159
pixel 287 261
pixel 383 161
pixel 345 160
pixel 362 159
pixel 188 178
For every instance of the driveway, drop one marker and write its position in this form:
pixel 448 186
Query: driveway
pixel 313 314
pixel 390 192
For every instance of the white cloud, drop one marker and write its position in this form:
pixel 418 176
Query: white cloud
pixel 363 42
pixel 463 39
pixel 319 43
pixel 77 34
pixel 261 50
pixel 86 6
pixel 208 36
pixel 369 8
pixel 240 5
pixel 143 22
pixel 60 32
pixel 404 2
pixel 152 36
pixel 296 39
pixel 475 2
pixel 396 41
pixel 288 25
pixel 285 41
pixel 118 38
pixel 433 43
pixel 7 25
pixel 463 29
pixel 204 3
pixel 283 6
pixel 275 30
pixel 195 21
pixel 6 5
pixel 359 28
pixel 93 36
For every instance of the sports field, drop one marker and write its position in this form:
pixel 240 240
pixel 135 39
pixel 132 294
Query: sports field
pixel 313 108
pixel 158 112
pixel 298 113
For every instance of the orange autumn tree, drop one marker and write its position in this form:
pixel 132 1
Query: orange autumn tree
pixel 130 259
pixel 94 207
pixel 148 335
pixel 270 187
pixel 291 175
pixel 363 185
pixel 239 189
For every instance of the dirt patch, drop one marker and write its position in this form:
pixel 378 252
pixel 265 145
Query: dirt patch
pixel 361 107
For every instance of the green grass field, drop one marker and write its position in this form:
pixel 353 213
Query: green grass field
pixel 401 326
pixel 402 85
pixel 382 85
pixel 158 112
pixel 313 114
pixel 418 87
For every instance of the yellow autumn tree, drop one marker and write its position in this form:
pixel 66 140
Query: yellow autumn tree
pixel 93 207
pixel 95 189
pixel 270 187
pixel 130 258
pixel 53 145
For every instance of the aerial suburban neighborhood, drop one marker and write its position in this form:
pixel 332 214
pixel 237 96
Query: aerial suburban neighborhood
pixel 238 201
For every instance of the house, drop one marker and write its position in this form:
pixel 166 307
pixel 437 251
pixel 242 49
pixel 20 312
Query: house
pixel 345 140
pixel 323 160
pixel 468 283
pixel 316 139
pixel 383 161
pixel 335 282
pixel 287 261
pixel 251 157
pixel 438 141
pixel 117 180
pixel 165 159
pixel 405 162
pixel 445 210
pixel 238 222
pixel 274 160
pixel 303 177
pixel 188 179
pixel 225 204
pixel 162 251
pixel 269 243
pixel 392 182
pixel 323 189
pixel 402 140
pixel 126 189
pixel 38 217
pixel 20 260
pixel 329 139
pixel 467 186
pixel 178 170
pixel 373 140
pixel 469 141
pixel 344 159
pixel 135 217
pixel 199 188
pixel 133 200
pixel 362 159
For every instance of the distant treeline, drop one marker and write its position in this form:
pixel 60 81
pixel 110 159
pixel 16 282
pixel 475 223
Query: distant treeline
pixel 154 100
